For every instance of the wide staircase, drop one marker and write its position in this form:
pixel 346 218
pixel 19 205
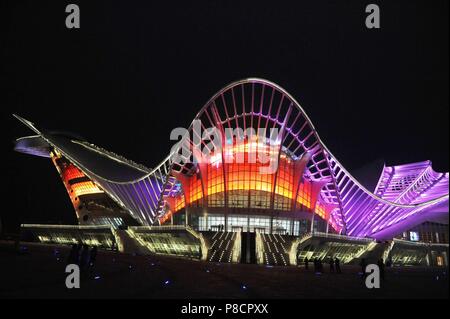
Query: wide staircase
pixel 274 249
pixel 220 245
pixel 349 250
pixel 171 240
pixel 127 244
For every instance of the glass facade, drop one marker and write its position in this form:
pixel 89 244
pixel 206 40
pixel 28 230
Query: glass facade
pixel 281 226
pixel 242 181
pixel 261 224
pixel 428 232
pixel 237 223
pixel 211 223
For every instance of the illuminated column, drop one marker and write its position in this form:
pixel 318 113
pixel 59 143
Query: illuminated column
pixel 219 125
pixel 316 187
pixel 170 201
pixel 275 175
pixel 225 218
pixel 271 224
pixel 184 180
pixel 203 169
pixel 299 168
pixel 328 208
pixel 312 219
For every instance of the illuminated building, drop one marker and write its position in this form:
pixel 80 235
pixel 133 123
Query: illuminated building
pixel 309 190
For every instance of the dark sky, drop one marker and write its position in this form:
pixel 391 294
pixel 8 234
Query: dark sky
pixel 137 69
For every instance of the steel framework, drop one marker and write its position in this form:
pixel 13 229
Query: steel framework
pixel 405 194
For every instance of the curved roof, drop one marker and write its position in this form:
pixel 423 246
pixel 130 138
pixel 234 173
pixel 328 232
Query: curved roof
pixel 256 103
pixel 105 164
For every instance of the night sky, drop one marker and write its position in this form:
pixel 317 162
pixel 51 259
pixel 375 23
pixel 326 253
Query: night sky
pixel 137 69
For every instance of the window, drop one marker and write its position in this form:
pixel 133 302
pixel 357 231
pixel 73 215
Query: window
pixel 202 225
pixel 414 236
pixel 215 221
pixel 304 194
pixel 195 185
pixel 285 184
pixel 215 183
pixel 236 223
pixel 259 223
pixel 85 188
pixel 179 202
pixel 281 226
pixel 247 185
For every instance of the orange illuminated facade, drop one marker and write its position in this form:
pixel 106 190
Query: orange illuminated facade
pixel 235 178
pixel 76 182
pixel 80 188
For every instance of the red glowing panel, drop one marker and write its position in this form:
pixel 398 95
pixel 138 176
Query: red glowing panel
pixel 71 172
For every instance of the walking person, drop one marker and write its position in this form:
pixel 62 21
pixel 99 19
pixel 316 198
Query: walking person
pixel 306 263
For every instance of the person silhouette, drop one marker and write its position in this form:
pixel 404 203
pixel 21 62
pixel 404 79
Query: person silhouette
pixel 389 262
pixel 380 264
pixel 306 263
pixel 331 262
pixel 93 256
pixel 337 264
